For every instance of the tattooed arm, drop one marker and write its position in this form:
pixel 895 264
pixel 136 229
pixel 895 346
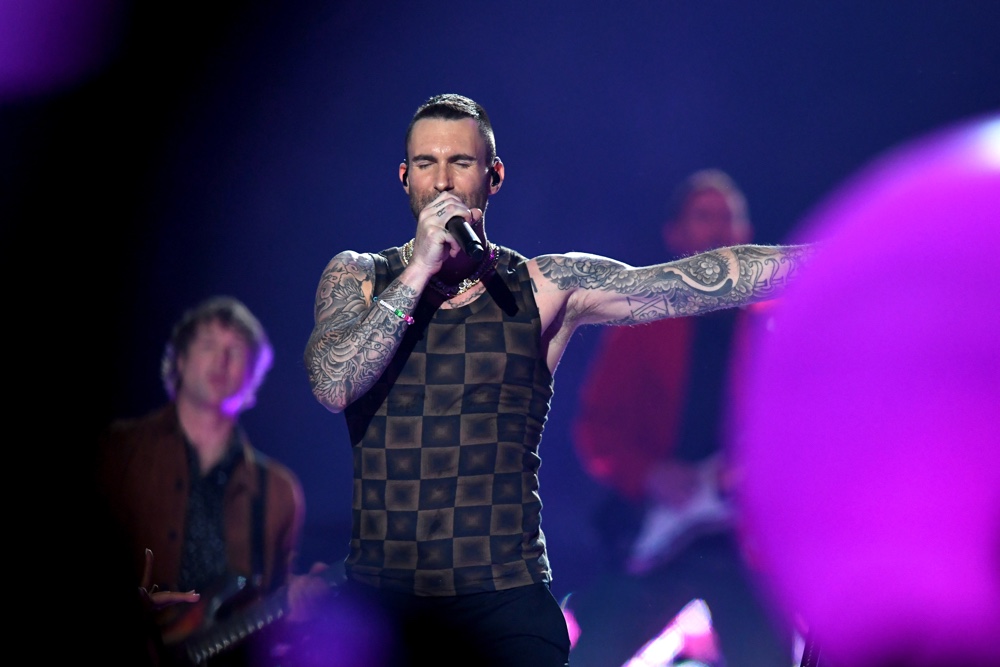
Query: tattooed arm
pixel 353 338
pixel 577 288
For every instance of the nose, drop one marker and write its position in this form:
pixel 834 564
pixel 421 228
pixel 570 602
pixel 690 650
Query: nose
pixel 442 178
pixel 227 357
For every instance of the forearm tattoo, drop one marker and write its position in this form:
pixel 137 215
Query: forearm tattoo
pixel 724 278
pixel 353 339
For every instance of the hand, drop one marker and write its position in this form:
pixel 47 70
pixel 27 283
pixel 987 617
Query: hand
pixel 678 483
pixel 155 600
pixel 433 243
pixel 305 591
pixel 673 483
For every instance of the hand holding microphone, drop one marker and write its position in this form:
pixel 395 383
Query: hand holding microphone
pixel 462 231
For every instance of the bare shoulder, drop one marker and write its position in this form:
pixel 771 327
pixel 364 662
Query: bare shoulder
pixel 346 280
pixel 562 283
pixel 570 271
pixel 351 262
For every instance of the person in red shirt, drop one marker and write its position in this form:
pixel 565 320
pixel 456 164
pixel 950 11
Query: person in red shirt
pixel 650 428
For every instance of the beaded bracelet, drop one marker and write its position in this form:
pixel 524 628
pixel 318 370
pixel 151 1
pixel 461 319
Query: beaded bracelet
pixel 395 311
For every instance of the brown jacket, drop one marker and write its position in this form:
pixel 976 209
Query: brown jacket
pixel 143 475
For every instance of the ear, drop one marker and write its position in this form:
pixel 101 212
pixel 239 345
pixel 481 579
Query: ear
pixel 496 175
pixel 403 176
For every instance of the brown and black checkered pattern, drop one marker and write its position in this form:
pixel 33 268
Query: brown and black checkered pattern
pixel 446 446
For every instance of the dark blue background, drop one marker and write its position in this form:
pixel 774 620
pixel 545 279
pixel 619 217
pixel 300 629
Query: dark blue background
pixel 234 147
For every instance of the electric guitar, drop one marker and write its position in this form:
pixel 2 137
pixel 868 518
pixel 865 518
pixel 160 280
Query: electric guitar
pixel 228 614
pixel 666 528
pixel 810 652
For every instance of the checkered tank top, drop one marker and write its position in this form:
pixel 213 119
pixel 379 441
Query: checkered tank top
pixel 445 498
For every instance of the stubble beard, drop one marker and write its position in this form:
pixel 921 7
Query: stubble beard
pixel 419 202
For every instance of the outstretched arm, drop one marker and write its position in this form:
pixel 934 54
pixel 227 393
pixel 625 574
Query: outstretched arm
pixel 353 338
pixel 578 288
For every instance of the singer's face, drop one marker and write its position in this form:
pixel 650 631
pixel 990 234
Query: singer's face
pixel 447 156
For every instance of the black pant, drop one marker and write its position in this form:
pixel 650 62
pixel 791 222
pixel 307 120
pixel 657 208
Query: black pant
pixel 366 627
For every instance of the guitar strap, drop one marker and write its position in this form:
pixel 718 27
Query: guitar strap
pixel 257 529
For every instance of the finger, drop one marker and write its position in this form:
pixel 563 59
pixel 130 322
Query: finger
pixel 163 599
pixel 447 205
pixel 449 211
pixel 147 572
pixel 439 205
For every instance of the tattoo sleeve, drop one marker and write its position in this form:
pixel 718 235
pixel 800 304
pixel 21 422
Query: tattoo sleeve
pixel 353 339
pixel 615 293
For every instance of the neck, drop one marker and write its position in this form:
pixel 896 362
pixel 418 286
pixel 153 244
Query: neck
pixel 457 269
pixel 463 299
pixel 451 282
pixel 208 431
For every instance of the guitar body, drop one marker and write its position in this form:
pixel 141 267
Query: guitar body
pixel 233 625
pixel 225 628
pixel 666 529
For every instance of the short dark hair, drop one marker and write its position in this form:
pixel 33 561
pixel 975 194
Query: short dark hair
pixel 229 312
pixel 451 106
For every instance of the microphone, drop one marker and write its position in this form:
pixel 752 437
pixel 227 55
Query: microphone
pixel 462 230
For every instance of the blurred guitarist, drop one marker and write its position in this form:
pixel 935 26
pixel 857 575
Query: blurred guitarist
pixel 211 524
pixel 650 427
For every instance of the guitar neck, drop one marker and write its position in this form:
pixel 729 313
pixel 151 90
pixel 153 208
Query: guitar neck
pixel 226 633
pixel 236 628
pixel 810 652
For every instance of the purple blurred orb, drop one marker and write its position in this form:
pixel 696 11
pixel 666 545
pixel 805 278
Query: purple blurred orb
pixel 47 46
pixel 869 457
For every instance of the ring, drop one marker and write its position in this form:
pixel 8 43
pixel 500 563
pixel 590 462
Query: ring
pixel 440 212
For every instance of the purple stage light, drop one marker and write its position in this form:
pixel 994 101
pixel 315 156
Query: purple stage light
pixel 870 454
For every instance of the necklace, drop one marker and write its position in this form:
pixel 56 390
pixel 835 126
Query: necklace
pixel 485 266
